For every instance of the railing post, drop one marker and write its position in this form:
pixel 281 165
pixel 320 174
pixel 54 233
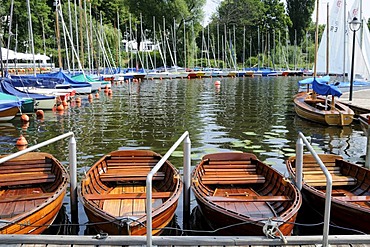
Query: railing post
pixel 73 175
pixel 187 181
pixel 367 161
pixel 299 162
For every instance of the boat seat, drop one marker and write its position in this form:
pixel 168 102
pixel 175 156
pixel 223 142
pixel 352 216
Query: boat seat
pixel 26 178
pixel 25 197
pixel 142 195
pixel 353 198
pixel 226 178
pixel 338 180
pixel 248 198
pixel 114 175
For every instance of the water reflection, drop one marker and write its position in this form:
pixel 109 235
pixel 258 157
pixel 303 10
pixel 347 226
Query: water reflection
pixel 242 114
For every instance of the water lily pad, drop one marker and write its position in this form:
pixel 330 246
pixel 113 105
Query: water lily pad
pixel 259 151
pixel 249 133
pixel 289 150
pixel 238 144
pixel 253 147
pixel 177 154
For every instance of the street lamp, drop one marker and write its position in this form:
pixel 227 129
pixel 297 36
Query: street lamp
pixel 354 25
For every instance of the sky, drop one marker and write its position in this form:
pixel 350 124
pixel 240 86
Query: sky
pixel 211 6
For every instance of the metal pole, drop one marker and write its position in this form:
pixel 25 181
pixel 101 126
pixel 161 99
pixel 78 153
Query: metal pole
pixel 352 65
pixel 367 161
pixel 73 175
pixel 299 162
pixel 186 181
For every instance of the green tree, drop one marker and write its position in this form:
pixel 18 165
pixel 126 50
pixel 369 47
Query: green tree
pixel 300 12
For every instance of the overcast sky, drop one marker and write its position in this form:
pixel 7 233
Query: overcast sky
pixel 211 6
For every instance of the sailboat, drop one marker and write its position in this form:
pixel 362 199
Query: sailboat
pixel 335 47
pixel 314 105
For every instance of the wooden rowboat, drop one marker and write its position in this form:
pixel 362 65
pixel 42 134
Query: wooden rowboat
pixel 114 191
pixel 350 206
pixel 313 109
pixel 364 121
pixel 32 188
pixel 239 194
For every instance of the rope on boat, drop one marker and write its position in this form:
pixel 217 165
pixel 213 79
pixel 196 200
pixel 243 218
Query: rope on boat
pixel 271 230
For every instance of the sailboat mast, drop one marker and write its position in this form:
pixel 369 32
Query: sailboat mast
pixel 344 38
pixel 316 38
pixel 185 65
pixel 81 35
pixel 31 36
pixel 70 31
pixel 57 33
pixel 10 34
pixel 327 39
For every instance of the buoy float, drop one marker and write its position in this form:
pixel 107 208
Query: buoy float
pixel 21 141
pixel 90 96
pixel 40 114
pixel 25 118
pixel 78 100
pixel 60 107
pixel 110 92
pixel 97 95
pixel 217 83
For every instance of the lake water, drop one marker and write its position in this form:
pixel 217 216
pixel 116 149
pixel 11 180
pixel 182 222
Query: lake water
pixel 242 114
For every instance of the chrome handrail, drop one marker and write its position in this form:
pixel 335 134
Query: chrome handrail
pixel 329 181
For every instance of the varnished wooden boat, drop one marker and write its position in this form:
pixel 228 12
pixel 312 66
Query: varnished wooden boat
pixel 238 194
pixel 114 191
pixel 364 121
pixel 313 109
pixel 32 188
pixel 350 205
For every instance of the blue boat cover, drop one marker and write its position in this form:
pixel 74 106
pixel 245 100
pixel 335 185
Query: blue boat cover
pixel 8 88
pixel 325 89
pixel 324 79
pixel 66 78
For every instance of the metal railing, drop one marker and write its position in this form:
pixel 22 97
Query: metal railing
pixel 72 162
pixel 186 180
pixel 329 181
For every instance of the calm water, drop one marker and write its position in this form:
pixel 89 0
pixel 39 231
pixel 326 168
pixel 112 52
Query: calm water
pixel 247 114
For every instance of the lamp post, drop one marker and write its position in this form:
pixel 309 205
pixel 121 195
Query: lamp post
pixel 354 25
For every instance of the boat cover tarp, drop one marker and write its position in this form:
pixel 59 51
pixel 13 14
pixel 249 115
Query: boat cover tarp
pixel 6 87
pixel 32 81
pixel 325 89
pixel 324 79
pixel 67 79
pixel 84 78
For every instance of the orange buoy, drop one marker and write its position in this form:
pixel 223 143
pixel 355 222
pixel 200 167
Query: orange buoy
pixel 217 83
pixel 21 141
pixel 25 118
pixel 110 92
pixel 25 125
pixel 60 107
pixel 40 114
pixel 97 95
pixel 78 100
pixel 65 103
pixel 90 96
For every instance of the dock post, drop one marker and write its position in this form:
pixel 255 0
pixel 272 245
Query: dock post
pixel 187 178
pixel 73 175
pixel 299 162
pixel 367 160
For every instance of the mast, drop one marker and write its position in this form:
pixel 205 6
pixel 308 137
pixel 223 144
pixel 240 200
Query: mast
pixel 316 38
pixel 76 29
pixel 119 40
pixel 70 31
pixel 91 40
pixel 81 35
pixel 10 34
pixel 31 36
pixel 327 39
pixel 185 65
pixel 57 33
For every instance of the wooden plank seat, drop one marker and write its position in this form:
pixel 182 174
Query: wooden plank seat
pixel 233 179
pixel 228 170
pixel 24 178
pixel 25 197
pixel 113 175
pixel 248 198
pixel 338 180
pixel 353 198
pixel 318 171
pixel 142 195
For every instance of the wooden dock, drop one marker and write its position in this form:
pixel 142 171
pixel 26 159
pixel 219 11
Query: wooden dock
pixel 360 100
pixel 62 240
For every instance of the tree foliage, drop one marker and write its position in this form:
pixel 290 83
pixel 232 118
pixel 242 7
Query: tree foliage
pixel 300 12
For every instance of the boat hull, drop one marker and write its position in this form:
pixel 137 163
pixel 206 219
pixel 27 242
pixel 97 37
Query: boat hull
pixel 314 110
pixel 39 182
pixel 102 193
pixel 350 191
pixel 237 194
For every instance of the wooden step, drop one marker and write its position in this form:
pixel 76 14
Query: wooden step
pixel 316 180
pixel 244 179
